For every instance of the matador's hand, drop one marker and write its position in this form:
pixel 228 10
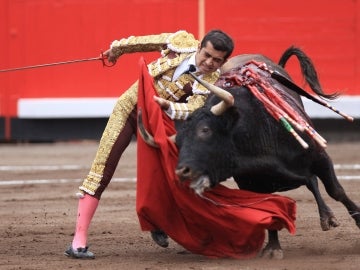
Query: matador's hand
pixel 110 56
pixel 164 104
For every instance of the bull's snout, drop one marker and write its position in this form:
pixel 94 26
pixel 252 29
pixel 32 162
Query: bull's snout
pixel 199 183
pixel 183 172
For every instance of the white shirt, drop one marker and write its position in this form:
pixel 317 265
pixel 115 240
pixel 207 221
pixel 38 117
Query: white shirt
pixel 184 66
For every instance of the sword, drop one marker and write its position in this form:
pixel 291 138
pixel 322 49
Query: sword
pixel 101 58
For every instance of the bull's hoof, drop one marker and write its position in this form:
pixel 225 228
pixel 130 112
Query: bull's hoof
pixel 160 238
pixel 328 223
pixel 270 253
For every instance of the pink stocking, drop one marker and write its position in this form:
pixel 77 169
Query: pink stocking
pixel 86 210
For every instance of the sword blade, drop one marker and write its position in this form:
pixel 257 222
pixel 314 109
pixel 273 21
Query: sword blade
pixel 51 64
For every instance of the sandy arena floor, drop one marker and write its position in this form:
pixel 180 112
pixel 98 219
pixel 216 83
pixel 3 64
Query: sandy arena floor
pixel 38 208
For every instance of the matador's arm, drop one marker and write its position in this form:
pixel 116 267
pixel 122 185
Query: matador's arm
pixel 180 41
pixel 180 110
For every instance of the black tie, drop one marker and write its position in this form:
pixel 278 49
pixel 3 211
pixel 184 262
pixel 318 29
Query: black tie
pixel 191 69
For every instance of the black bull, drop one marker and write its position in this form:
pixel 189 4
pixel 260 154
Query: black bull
pixel 252 147
pixel 246 143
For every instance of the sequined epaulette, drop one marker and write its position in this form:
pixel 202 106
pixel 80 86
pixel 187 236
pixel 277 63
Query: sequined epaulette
pixel 182 42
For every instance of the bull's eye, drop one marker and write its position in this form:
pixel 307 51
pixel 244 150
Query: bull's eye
pixel 203 132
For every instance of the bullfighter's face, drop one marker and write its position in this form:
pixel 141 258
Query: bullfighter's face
pixel 208 59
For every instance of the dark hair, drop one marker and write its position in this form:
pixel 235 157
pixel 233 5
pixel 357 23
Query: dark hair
pixel 220 41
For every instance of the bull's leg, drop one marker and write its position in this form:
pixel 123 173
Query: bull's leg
pixel 273 249
pixel 327 218
pixel 327 175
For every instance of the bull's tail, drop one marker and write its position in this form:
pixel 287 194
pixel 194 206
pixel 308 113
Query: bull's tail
pixel 307 70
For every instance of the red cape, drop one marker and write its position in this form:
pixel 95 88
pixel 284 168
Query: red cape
pixel 224 222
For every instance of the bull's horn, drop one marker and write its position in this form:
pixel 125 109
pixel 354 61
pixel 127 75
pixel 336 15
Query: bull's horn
pixel 227 98
pixel 172 138
pixel 145 135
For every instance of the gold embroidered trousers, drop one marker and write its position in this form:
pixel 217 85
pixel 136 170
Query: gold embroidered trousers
pixel 117 135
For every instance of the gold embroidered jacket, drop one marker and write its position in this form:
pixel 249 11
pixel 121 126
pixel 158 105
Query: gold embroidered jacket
pixel 185 94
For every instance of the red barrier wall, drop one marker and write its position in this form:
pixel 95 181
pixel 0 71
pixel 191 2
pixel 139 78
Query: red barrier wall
pixel 327 30
pixel 45 31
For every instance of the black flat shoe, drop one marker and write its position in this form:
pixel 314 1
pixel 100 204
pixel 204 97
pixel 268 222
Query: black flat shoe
pixel 79 253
